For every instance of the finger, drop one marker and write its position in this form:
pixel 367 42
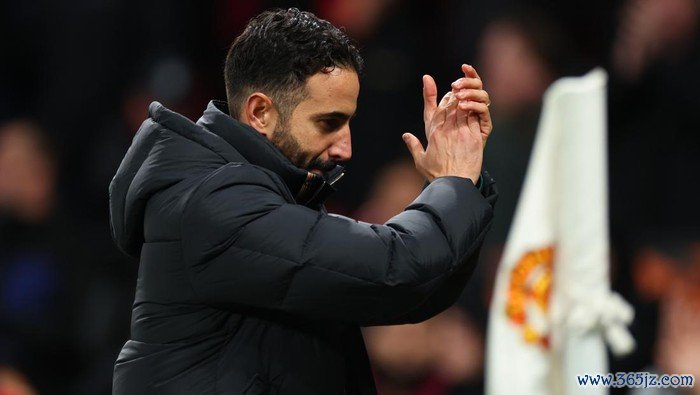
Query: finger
pixel 451 118
pixel 414 146
pixel 462 120
pixel 480 108
pixel 473 123
pixel 446 100
pixel 470 71
pixel 440 113
pixel 429 97
pixel 467 83
pixel 478 95
pixel 467 120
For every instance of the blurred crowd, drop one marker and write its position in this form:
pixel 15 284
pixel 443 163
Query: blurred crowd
pixel 77 77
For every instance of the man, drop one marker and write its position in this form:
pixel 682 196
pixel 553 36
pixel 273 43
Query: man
pixel 246 285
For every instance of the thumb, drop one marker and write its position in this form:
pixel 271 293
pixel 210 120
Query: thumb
pixel 414 146
pixel 429 97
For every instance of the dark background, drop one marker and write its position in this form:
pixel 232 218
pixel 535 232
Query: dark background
pixel 81 74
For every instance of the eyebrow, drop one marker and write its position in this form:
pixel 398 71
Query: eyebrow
pixel 333 115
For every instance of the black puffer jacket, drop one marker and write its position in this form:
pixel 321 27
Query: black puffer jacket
pixel 241 290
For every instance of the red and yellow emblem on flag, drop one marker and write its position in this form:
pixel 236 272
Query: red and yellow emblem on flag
pixel 528 294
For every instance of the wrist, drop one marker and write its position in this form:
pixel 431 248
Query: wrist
pixel 476 181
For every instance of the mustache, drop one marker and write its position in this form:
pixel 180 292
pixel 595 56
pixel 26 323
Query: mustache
pixel 320 164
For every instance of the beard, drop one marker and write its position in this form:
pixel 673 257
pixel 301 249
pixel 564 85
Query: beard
pixel 290 147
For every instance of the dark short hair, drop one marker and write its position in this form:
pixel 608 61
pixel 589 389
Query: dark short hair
pixel 278 51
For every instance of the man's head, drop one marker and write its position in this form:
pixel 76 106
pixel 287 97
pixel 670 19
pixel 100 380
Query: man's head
pixel 294 78
pixel 27 171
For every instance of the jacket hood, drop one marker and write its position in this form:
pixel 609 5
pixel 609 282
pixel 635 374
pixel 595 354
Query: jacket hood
pixel 169 148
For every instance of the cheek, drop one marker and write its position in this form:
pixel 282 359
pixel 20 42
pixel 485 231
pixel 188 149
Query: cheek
pixel 311 140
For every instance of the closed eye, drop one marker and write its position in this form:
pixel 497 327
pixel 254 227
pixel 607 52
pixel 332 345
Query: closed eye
pixel 331 125
pixel 332 121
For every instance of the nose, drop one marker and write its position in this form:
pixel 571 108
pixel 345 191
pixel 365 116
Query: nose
pixel 341 150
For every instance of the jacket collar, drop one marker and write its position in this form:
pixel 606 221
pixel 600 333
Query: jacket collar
pixel 307 188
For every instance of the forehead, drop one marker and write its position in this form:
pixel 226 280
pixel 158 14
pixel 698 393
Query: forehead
pixel 333 91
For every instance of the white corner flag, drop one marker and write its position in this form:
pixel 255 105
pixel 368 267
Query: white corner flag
pixel 552 305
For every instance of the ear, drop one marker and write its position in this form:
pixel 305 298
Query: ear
pixel 260 113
